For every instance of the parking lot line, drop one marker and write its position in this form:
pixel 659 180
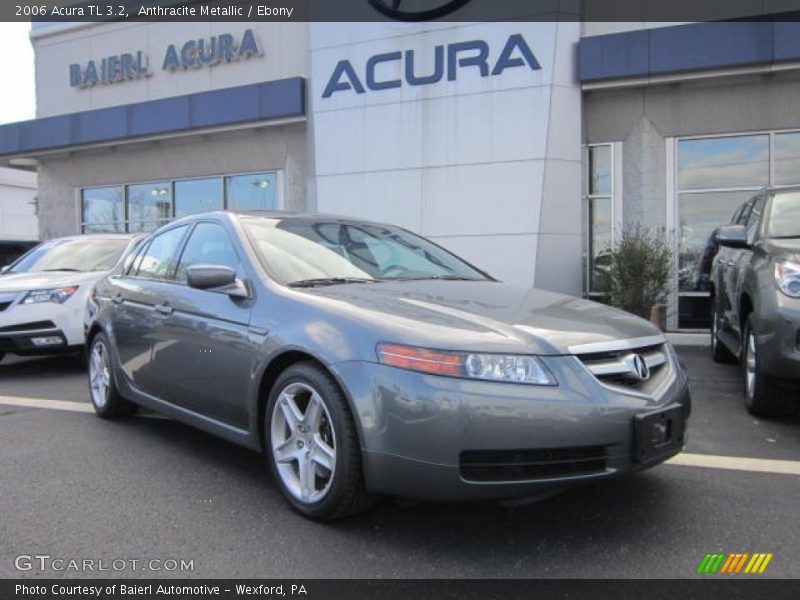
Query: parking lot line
pixel 43 403
pixel 737 463
pixel 706 461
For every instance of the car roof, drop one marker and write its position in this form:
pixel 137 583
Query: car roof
pixel 296 216
pixel 96 236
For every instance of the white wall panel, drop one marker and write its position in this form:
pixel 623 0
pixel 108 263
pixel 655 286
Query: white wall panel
pixel 497 127
pixel 17 211
pixel 474 199
pixel 388 196
pixel 476 145
pixel 509 258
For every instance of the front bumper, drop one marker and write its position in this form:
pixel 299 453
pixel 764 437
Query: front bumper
pixel 779 345
pixel 22 324
pixel 418 430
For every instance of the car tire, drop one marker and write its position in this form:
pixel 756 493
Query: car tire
pixel 312 444
pixel 719 351
pixel 762 397
pixel 108 403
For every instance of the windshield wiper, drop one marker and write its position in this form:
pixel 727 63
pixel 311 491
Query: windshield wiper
pixel 785 237
pixel 328 281
pixel 64 269
pixel 442 277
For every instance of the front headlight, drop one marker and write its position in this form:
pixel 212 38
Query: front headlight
pixel 509 368
pixel 787 277
pixel 59 295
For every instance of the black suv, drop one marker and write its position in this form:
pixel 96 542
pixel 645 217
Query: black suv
pixel 755 299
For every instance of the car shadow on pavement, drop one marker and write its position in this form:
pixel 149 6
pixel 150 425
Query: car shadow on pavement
pixel 40 366
pixel 584 515
pixel 52 378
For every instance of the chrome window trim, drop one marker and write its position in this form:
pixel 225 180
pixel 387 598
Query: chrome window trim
pixel 616 345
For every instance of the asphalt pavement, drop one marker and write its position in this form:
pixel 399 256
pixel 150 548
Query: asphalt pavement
pixel 73 486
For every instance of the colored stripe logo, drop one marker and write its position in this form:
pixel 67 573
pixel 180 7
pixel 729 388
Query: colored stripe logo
pixel 734 563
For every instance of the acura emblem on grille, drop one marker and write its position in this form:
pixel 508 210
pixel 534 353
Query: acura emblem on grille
pixel 639 368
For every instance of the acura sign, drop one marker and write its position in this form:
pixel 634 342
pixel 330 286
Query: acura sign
pixel 447 62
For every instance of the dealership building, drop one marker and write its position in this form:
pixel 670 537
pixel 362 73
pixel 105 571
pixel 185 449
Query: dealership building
pixel 525 147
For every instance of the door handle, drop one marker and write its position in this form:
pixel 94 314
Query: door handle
pixel 117 298
pixel 164 309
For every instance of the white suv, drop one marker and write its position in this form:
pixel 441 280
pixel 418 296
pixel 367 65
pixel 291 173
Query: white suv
pixel 43 294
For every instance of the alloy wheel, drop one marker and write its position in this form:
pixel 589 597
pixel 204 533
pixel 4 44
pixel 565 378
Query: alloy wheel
pixel 714 330
pixel 303 442
pixel 99 374
pixel 750 364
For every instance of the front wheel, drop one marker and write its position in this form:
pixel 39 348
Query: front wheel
pixel 312 444
pixel 719 352
pixel 106 399
pixel 762 397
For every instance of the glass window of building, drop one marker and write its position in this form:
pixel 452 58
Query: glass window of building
pixel 193 196
pixel 149 205
pixel 598 216
pixel 103 210
pixel 722 163
pixel 251 192
pixel 715 176
pixel 787 158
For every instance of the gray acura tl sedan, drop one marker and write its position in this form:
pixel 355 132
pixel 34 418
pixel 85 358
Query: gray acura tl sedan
pixel 365 360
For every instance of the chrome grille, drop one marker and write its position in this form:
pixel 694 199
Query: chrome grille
pixel 615 363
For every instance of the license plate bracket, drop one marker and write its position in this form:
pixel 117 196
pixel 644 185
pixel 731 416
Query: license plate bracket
pixel 658 433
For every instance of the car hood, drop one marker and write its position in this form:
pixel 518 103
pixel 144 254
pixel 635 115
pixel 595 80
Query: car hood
pixel 484 315
pixel 37 280
pixel 788 249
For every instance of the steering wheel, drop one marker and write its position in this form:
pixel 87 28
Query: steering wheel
pixel 396 270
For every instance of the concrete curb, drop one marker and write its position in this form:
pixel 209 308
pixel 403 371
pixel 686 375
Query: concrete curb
pixel 689 339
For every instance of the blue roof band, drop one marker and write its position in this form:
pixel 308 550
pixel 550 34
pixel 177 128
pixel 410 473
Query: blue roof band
pixel 230 106
pixel 687 48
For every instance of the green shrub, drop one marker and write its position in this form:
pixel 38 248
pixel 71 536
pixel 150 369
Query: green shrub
pixel 640 269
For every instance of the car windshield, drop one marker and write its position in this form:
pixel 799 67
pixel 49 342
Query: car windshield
pixel 309 252
pixel 784 216
pixel 80 254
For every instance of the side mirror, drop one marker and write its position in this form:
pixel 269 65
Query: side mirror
pixel 732 236
pixel 216 278
pixel 4 269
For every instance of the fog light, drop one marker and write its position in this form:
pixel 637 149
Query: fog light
pixel 51 340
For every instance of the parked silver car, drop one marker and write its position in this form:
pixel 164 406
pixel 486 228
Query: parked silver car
pixel 366 360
